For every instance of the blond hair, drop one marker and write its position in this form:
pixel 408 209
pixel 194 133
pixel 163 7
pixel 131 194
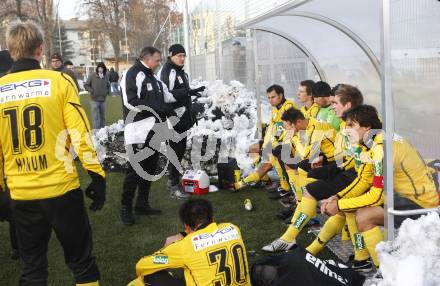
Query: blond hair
pixel 23 38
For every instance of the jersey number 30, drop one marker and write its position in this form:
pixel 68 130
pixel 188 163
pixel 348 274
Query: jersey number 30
pixel 29 123
pixel 225 273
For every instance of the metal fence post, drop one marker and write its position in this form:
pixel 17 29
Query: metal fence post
pixel 388 115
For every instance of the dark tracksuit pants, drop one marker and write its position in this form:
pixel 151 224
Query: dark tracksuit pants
pixel 6 214
pixel 134 181
pixel 67 217
pixel 163 278
pixel 179 148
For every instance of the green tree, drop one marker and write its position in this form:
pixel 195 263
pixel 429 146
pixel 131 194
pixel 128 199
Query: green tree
pixel 66 45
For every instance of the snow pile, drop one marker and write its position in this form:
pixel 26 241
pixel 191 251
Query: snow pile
pixel 109 145
pixel 227 119
pixel 413 258
pixel 225 129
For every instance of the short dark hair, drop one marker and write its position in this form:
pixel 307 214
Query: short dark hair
pixel 68 63
pixel 148 51
pixel 321 89
pixel 365 115
pixel 348 93
pixel 277 88
pixel 195 212
pixel 292 115
pixel 308 84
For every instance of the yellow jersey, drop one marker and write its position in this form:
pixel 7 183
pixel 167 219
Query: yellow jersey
pixel 214 255
pixel 367 158
pixel 343 152
pixel 318 138
pixel 412 180
pixel 276 126
pixel 41 116
pixel 312 112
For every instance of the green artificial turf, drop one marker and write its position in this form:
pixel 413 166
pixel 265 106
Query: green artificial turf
pixel 117 247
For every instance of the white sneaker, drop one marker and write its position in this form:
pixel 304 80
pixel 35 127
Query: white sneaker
pixel 279 245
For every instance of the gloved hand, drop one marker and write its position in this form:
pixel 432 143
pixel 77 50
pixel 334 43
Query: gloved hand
pixel 197 90
pixel 96 191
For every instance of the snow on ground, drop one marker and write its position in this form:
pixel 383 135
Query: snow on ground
pixel 413 258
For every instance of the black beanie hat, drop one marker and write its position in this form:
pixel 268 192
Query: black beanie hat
pixel 176 49
pixel 321 89
pixel 5 61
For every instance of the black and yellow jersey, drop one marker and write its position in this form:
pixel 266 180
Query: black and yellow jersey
pixel 214 255
pixel 344 151
pixel 367 159
pixel 41 116
pixel 312 112
pixel 318 138
pixel 276 126
pixel 412 180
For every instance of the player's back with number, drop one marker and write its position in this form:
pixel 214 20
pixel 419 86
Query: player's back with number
pixel 37 108
pixel 214 255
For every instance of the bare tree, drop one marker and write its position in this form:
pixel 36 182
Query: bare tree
pixel 107 16
pixel 44 11
pixel 145 18
pixel 40 11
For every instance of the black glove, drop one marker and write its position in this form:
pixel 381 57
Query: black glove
pixel 96 191
pixel 196 91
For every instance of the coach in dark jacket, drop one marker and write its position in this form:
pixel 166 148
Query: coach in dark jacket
pixel 146 105
pixel 176 79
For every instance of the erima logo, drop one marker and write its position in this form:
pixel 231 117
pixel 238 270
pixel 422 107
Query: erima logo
pixel 24 84
pixel 163 259
pixel 299 221
pixel 322 266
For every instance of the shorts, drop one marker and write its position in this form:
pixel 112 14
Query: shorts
pixel 402 203
pixel 323 189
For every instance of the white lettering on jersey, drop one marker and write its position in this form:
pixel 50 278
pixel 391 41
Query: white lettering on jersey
pixel 205 240
pixel 27 89
pixel 322 266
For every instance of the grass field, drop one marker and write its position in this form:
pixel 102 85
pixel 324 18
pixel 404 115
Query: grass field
pixel 118 247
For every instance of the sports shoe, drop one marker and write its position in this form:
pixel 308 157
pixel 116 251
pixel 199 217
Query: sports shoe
pixel 313 222
pixel 272 188
pixel 177 193
pixel 147 210
pixel 288 220
pixel 278 245
pixel 284 213
pixel 238 185
pixel 363 266
pixel 278 195
pixel 267 184
pixel 289 199
pixel 127 216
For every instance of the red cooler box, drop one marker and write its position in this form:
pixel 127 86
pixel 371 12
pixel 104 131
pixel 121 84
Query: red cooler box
pixel 195 182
